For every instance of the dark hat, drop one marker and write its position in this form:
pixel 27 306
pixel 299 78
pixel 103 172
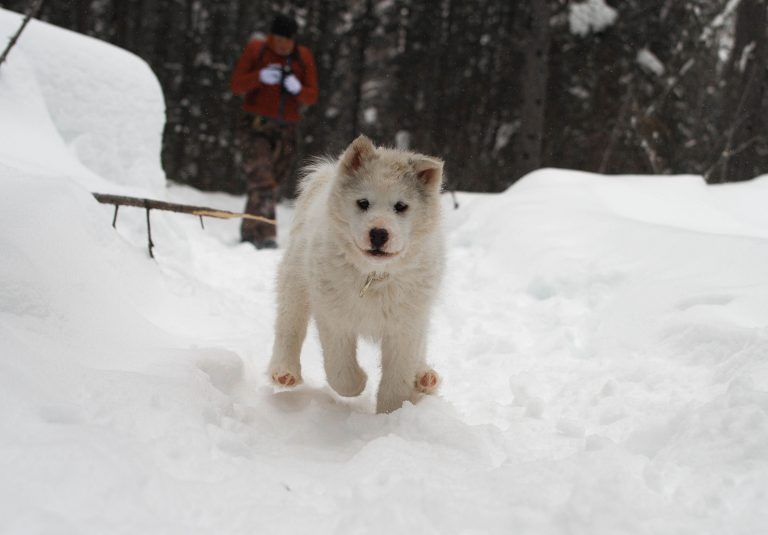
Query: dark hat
pixel 284 26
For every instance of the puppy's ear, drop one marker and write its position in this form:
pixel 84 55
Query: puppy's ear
pixel 358 152
pixel 429 172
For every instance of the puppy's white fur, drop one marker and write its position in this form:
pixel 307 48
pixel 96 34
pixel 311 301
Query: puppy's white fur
pixel 331 255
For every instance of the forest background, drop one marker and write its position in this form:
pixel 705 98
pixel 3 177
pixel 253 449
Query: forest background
pixel 496 88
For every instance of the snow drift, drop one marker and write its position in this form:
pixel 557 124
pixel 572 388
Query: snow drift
pixel 603 343
pixel 85 102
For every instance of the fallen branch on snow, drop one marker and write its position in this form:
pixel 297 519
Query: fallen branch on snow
pixel 149 204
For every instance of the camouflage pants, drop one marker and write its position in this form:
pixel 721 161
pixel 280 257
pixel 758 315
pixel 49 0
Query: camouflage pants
pixel 267 148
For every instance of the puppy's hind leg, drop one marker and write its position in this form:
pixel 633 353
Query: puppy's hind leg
pixel 405 375
pixel 402 357
pixel 290 328
pixel 343 372
pixel 427 381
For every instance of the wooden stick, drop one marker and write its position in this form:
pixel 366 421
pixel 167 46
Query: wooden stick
pixel 149 204
pixel 121 200
pixel 149 235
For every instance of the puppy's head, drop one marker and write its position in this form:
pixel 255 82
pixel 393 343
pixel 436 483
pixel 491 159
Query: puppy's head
pixel 385 203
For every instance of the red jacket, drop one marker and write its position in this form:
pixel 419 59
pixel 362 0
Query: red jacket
pixel 264 99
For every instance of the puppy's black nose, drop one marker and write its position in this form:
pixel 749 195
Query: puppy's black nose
pixel 379 237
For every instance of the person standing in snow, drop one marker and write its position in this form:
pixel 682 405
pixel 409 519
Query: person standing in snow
pixel 278 78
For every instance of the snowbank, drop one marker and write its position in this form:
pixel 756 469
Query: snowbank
pixel 68 93
pixel 603 343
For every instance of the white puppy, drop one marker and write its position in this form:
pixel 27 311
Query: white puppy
pixel 365 258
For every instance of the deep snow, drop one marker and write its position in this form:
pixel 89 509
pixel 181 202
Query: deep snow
pixel 603 343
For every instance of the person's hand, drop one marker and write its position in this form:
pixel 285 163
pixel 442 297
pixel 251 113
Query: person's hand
pixel 270 75
pixel 292 84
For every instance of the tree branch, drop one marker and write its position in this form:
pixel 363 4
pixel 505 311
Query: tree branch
pixel 121 200
pixel 149 204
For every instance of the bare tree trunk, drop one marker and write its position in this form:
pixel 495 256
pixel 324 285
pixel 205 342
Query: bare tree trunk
pixel 528 148
pixel 745 90
pixel 366 27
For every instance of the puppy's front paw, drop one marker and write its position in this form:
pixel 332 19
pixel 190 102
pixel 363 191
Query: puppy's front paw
pixel 285 379
pixel 427 381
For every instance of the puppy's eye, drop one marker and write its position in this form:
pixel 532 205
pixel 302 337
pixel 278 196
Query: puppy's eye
pixel 400 207
pixel 363 204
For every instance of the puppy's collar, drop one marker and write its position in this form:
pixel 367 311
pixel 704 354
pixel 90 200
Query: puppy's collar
pixel 372 277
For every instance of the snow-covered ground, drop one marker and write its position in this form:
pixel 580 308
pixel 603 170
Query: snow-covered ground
pixel 603 343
